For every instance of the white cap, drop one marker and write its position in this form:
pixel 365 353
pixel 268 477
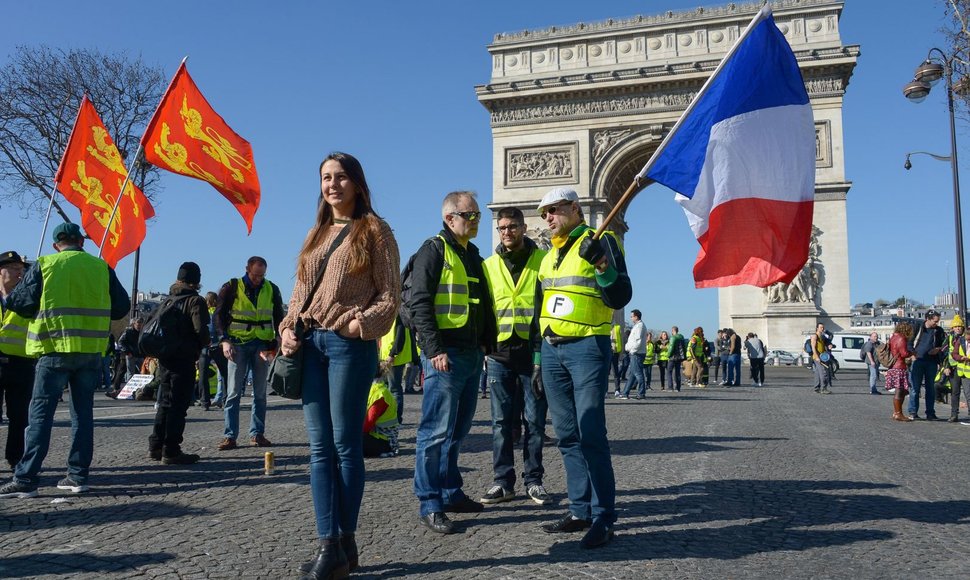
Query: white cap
pixel 557 194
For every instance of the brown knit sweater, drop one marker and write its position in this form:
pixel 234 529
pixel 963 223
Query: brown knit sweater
pixel 372 294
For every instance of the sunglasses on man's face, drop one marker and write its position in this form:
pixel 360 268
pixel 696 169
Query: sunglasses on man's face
pixel 554 209
pixel 471 216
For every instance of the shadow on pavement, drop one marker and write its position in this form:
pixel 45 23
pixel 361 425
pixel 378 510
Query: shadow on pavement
pixel 95 516
pixel 685 444
pixel 70 563
pixel 782 516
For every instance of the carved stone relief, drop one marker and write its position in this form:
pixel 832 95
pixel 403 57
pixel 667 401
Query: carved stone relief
pixel 603 140
pixel 804 288
pixel 545 164
pixel 823 144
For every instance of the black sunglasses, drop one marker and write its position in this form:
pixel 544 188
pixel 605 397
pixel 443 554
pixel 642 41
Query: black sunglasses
pixel 552 209
pixel 472 216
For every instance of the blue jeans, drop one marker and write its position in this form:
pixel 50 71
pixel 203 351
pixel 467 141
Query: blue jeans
pixel 923 372
pixel 647 378
pixel 337 374
pixel 504 384
pixel 873 377
pixel 575 376
pixel 247 359
pixel 395 383
pixel 734 369
pixel 450 398
pixel 53 373
pixel 636 375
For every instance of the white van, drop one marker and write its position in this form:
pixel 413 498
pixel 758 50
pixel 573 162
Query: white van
pixel 846 348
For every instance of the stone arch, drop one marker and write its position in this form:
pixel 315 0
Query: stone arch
pixel 616 170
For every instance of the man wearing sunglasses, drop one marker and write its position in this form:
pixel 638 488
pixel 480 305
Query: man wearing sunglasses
pixel 581 281
pixel 451 311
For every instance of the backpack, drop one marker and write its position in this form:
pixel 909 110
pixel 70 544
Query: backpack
pixel 808 345
pixel 884 355
pixel 160 335
pixel 404 312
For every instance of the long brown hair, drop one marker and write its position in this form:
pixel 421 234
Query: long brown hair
pixel 364 222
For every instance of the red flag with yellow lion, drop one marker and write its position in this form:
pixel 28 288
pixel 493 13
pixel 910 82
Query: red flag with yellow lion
pixel 90 177
pixel 188 137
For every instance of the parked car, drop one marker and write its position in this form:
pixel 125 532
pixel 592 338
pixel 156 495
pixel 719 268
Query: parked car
pixel 783 356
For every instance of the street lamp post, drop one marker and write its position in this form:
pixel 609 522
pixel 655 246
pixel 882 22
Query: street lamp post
pixel 931 71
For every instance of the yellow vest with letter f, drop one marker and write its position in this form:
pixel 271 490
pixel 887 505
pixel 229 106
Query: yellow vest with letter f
pixel 514 303
pixel 571 302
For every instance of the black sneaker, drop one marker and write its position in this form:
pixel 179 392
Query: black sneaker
pixel 466 506
pixel 953 419
pixel 567 525
pixel 438 522
pixel 71 485
pixel 155 454
pixel 181 459
pixel 12 489
pixel 497 494
pixel 932 417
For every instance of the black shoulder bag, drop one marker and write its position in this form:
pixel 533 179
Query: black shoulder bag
pixel 286 372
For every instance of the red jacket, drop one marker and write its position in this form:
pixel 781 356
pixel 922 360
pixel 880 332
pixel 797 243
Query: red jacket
pixel 899 348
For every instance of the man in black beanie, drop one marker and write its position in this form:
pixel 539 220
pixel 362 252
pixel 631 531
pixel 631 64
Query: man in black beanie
pixel 176 373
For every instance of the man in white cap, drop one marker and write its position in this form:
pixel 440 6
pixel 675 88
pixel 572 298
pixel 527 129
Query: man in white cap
pixel 581 281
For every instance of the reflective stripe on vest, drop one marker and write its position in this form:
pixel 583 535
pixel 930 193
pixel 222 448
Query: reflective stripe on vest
pixel 75 305
pixel 388 418
pixel 514 303
pixel 571 301
pixel 13 334
pixel 651 355
pixel 387 343
pixel 248 321
pixel 452 298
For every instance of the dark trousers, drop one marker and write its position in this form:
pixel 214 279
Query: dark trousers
pixel 956 384
pixel 758 370
pixel 16 385
pixel 663 373
pixel 176 381
pixel 673 374
pixel 374 446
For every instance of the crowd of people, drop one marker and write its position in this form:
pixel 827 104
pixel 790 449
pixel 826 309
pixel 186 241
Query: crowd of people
pixel 536 325
pixel 635 351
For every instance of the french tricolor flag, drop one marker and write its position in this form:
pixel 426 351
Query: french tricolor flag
pixel 742 161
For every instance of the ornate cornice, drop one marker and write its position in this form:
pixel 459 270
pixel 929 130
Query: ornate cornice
pixel 580 80
pixel 592 104
pixel 668 18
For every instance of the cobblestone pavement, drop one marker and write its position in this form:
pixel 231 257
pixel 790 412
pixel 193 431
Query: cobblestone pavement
pixel 716 483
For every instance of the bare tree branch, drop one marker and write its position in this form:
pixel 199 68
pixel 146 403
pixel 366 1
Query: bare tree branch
pixel 40 91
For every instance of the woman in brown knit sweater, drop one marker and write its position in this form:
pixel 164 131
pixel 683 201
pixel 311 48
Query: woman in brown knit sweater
pixel 354 305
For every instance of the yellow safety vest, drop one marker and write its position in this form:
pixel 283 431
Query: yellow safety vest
pixel 387 343
pixel 249 322
pixel 13 333
pixel 452 298
pixel 695 350
pixel 388 418
pixel 962 368
pixel 651 355
pixel 663 355
pixel 514 303
pixel 617 338
pixel 75 305
pixel 571 301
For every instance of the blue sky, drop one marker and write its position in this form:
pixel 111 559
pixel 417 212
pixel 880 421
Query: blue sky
pixel 393 84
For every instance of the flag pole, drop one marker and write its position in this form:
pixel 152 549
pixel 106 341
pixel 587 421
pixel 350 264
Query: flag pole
pixel 114 210
pixel 47 219
pixel 641 181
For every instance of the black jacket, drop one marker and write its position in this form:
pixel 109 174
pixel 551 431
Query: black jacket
pixel 480 331
pixel 193 328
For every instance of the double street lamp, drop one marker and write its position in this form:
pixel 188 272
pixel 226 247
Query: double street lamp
pixel 927 75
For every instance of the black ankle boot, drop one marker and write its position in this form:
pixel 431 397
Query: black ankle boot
pixel 349 545
pixel 330 562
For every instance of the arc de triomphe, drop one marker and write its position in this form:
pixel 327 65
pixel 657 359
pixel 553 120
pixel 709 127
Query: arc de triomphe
pixel 586 105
